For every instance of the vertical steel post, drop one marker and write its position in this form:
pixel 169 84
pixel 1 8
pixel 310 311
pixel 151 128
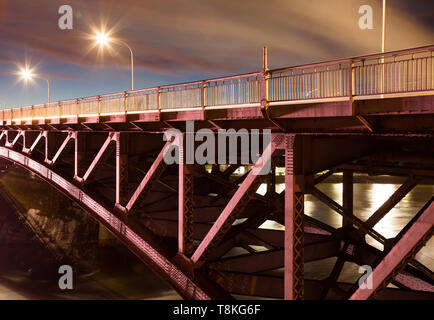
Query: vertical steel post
pixel 185 211
pixel 264 82
pixel 80 153
pixel 121 168
pixel 99 108
pixel 77 110
pixel 159 103
pixel 347 198
pixel 351 86
pixel 203 98
pixel 125 103
pixel 294 207
pixel 271 185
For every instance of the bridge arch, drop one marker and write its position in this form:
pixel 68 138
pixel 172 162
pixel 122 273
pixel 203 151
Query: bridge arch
pixel 135 240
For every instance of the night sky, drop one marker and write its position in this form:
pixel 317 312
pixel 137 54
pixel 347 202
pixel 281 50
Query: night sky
pixel 182 40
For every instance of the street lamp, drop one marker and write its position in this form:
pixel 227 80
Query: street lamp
pixel 103 39
pixel 27 74
pixel 383 34
pixel 383 47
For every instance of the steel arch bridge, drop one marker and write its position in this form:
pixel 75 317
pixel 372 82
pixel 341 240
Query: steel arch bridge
pixel 371 114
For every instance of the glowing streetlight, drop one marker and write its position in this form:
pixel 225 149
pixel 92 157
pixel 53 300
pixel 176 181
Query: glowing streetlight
pixel 27 74
pixel 383 33
pixel 103 39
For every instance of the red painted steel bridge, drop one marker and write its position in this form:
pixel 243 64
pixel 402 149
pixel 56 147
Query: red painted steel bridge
pixel 372 114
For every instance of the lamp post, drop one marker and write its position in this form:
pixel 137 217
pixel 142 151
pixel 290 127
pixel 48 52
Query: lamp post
pixel 102 39
pixel 383 34
pixel 383 46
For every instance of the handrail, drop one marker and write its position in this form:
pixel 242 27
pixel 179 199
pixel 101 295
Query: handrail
pixel 359 58
pixel 328 79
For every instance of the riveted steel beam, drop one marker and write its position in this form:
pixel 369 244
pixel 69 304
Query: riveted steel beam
pixel 411 241
pixel 294 208
pixel 185 210
pixel 234 206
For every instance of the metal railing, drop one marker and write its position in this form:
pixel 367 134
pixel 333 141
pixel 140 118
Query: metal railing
pixel 325 80
pixel 402 71
pixel 233 90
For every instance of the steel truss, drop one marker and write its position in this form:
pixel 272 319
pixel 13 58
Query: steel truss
pixel 202 231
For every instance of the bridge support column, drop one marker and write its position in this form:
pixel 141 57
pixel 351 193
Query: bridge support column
pixel 347 198
pixel 121 168
pixel 294 207
pixel 185 211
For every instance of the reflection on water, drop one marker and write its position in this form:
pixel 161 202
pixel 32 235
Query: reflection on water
pixel 120 276
pixel 367 199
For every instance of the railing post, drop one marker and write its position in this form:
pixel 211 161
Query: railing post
pixel 264 83
pixel 159 102
pixel 414 66
pixel 351 86
pixel 121 168
pixel 77 110
pixel 203 98
pixel 383 76
pixel 99 108
pixel 125 103
pixel 432 69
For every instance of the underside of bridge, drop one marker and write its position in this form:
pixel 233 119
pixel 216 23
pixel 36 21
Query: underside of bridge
pixel 201 228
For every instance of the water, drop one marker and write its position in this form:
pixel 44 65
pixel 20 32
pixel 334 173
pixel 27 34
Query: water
pixel 367 199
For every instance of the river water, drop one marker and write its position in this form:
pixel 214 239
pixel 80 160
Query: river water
pixel 128 278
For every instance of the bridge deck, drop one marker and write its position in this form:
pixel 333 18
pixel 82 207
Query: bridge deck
pixel 394 83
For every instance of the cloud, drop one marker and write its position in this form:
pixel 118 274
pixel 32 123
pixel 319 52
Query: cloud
pixel 190 36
